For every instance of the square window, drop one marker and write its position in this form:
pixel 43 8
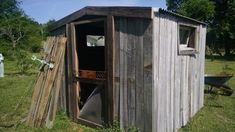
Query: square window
pixel 187 42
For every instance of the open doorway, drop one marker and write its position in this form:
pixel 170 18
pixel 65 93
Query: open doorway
pixel 90 43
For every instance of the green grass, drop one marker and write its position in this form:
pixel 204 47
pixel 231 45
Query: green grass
pixel 217 115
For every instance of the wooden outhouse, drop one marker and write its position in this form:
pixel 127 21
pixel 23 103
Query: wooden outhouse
pixel 140 66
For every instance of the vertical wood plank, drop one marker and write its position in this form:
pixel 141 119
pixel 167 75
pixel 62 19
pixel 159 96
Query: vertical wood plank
pixel 202 59
pixel 123 111
pixel 117 71
pixel 110 49
pixel 147 51
pixel 69 69
pixel 139 80
pixel 125 94
pixel 156 34
pixel 162 75
pixel 131 53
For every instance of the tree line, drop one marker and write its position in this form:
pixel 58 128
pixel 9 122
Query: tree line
pixel 218 14
pixel 18 31
pixel 20 35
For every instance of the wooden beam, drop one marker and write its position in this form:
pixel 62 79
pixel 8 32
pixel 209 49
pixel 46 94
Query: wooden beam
pixel 88 21
pixel 69 69
pixel 110 59
pixel 138 12
pixel 92 81
pixel 88 123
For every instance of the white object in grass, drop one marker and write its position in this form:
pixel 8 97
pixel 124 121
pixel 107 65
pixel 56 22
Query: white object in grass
pixel 1 65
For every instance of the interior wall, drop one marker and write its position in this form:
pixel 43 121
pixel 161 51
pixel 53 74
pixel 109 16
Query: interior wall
pixel 178 79
pixel 90 58
pixel 133 72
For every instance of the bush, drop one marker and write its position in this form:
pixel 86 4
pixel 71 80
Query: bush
pixel 24 62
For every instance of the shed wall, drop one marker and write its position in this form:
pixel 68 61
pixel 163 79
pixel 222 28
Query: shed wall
pixel 133 72
pixel 178 80
pixel 156 89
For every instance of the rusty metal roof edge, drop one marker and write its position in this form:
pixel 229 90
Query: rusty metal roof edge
pixel 160 10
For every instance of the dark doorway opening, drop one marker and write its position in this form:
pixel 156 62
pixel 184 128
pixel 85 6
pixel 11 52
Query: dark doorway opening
pixel 90 41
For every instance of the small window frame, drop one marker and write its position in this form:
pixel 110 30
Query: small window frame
pixel 91 46
pixel 184 49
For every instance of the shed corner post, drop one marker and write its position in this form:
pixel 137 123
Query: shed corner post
pixel 110 69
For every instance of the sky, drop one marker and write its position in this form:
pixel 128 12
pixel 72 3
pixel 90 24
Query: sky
pixel 44 10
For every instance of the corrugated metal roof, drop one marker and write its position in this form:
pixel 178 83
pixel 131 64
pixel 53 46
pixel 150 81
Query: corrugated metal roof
pixel 160 10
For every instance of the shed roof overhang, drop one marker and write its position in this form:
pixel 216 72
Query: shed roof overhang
pixel 139 12
pixel 124 11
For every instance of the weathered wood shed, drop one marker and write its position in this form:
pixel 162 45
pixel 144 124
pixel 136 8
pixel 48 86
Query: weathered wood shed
pixel 150 66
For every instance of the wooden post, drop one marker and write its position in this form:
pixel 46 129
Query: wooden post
pixel 72 62
pixel 69 71
pixel 75 72
pixel 110 59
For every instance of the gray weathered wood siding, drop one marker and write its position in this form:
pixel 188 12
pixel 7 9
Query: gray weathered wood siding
pixel 133 72
pixel 155 88
pixel 178 80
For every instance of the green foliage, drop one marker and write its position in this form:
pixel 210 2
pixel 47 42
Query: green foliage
pixel 115 127
pixel 173 5
pixel 17 30
pixel 9 6
pixel 222 31
pixel 202 10
pixel 24 62
pixel 45 28
pixel 226 69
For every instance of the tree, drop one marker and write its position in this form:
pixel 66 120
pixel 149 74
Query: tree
pixel 202 10
pixel 45 28
pixel 223 25
pixel 12 29
pixel 16 28
pixel 9 6
pixel 173 5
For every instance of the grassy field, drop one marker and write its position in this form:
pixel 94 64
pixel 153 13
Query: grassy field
pixel 218 113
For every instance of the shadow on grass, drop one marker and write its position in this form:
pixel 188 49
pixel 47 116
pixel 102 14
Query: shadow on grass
pixel 20 74
pixel 221 58
pixel 214 105
pixel 232 98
